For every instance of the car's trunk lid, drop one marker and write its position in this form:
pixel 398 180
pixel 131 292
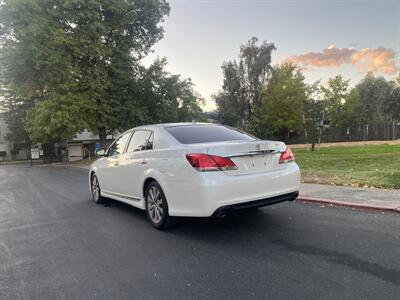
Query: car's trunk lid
pixel 250 157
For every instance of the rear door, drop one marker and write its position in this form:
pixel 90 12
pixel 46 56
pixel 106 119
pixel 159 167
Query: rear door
pixel 135 162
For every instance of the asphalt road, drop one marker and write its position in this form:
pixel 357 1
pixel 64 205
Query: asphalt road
pixel 55 243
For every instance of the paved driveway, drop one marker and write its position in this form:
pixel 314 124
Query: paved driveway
pixel 56 243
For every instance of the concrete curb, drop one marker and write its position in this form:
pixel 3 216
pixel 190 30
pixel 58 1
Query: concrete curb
pixel 65 166
pixel 350 204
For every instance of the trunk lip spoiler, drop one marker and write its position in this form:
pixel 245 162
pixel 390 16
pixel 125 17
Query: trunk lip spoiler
pixel 253 153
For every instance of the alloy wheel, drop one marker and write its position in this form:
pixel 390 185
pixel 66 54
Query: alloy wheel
pixel 95 188
pixel 155 204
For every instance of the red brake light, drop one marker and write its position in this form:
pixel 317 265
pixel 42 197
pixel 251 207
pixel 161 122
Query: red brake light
pixel 205 162
pixel 286 156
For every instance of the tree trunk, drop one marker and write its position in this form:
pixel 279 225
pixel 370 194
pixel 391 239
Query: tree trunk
pixel 103 137
pixel 287 136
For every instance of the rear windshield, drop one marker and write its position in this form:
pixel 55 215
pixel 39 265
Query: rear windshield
pixel 207 134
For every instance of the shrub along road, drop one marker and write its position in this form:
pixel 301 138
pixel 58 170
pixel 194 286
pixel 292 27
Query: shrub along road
pixel 56 243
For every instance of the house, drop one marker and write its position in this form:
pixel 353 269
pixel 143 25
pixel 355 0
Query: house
pixel 84 145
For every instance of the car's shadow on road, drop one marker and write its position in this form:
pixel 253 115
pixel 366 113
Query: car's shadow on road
pixel 251 220
pixel 258 229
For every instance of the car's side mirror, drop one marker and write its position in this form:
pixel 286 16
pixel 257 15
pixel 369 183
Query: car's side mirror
pixel 100 152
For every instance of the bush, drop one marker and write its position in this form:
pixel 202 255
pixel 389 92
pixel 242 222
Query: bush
pixel 3 154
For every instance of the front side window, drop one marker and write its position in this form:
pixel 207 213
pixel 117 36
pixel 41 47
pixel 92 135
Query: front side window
pixel 119 145
pixel 141 140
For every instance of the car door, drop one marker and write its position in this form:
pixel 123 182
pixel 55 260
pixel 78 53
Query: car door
pixel 135 162
pixel 109 174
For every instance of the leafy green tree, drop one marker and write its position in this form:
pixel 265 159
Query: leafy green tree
pixel 392 105
pixel 280 113
pixel 115 35
pixel 15 114
pixel 335 94
pixel 162 97
pixel 28 65
pixel 54 119
pixel 314 111
pixel 255 71
pixel 313 117
pixel 243 83
pixel 76 58
pixel 231 103
pixel 374 97
pixel 350 114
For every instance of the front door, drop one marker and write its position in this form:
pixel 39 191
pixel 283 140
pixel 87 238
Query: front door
pixel 109 174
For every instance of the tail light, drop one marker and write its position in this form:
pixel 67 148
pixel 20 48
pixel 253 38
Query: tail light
pixel 206 162
pixel 286 156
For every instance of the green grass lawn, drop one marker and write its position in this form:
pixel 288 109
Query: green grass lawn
pixel 369 165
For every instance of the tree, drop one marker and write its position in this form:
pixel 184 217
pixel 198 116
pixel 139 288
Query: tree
pixel 351 116
pixel 35 62
pixel 231 103
pixel 162 97
pixel 119 33
pixel 314 110
pixel 54 119
pixel 255 70
pixel 392 107
pixel 313 115
pixel 15 114
pixel 280 113
pixel 243 83
pixel 76 58
pixel 374 97
pixel 335 95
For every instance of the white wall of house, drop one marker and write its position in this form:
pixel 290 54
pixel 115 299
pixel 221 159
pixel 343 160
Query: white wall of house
pixel 23 154
pixel 89 136
pixel 6 147
pixel 75 151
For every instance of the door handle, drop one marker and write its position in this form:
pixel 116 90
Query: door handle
pixel 116 163
pixel 143 162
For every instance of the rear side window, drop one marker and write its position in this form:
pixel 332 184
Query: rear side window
pixel 141 140
pixel 193 134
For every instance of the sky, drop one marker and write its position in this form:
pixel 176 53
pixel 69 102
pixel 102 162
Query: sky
pixel 326 38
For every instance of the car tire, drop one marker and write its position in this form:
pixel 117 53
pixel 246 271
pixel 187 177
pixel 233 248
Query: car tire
pixel 157 207
pixel 96 190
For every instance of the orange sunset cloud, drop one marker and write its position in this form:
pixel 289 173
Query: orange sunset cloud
pixel 368 59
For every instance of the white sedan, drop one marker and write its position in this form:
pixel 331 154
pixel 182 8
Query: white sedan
pixel 193 169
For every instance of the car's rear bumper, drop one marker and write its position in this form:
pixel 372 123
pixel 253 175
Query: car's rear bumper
pixel 213 191
pixel 257 203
